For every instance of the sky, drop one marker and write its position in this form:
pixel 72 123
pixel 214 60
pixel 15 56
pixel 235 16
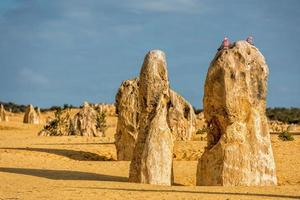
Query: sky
pixel 54 52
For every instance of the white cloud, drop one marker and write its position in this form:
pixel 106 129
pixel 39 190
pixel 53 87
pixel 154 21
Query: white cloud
pixel 182 6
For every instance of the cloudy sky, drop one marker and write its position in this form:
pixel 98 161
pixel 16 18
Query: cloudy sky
pixel 67 51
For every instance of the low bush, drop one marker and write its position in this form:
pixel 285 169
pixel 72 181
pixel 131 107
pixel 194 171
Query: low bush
pixel 101 121
pixel 286 136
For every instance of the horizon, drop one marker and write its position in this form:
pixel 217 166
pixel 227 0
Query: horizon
pixel 67 52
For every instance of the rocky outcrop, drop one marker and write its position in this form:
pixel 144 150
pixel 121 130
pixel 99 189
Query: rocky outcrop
pixel 238 149
pixel 181 118
pixel 31 116
pixel 278 126
pixel 152 157
pixel 127 126
pixel 85 122
pixel 3 114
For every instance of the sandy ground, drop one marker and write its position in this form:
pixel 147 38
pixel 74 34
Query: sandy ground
pixel 33 167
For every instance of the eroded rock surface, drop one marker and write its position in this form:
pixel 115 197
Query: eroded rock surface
pixel 152 156
pixel 239 149
pixel 31 116
pixel 181 118
pixel 127 126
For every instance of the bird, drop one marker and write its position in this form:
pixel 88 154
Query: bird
pixel 250 40
pixel 225 44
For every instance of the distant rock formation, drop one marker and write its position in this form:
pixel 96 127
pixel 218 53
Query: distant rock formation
pixel 278 126
pixel 3 114
pixel 89 121
pixel 152 156
pixel 109 109
pixel 31 116
pixel 181 118
pixel 85 122
pixel 38 111
pixel 239 149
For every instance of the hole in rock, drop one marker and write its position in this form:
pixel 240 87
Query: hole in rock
pixel 186 112
pixel 214 132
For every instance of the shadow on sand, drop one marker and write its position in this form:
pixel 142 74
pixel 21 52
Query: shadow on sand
pixel 78 143
pixel 77 175
pixel 195 192
pixel 72 154
pixel 64 174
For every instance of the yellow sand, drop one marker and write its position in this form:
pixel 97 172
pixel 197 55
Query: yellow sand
pixel 33 167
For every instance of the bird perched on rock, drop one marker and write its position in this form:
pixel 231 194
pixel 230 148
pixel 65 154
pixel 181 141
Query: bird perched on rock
pixel 225 44
pixel 250 40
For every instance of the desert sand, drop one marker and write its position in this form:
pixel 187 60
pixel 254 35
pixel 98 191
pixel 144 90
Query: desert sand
pixel 74 167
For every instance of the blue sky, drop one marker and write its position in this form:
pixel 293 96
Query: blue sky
pixel 67 51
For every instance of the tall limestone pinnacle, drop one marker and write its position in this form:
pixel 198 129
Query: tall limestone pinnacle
pixel 31 116
pixel 3 114
pixel 152 157
pixel 127 126
pixel 238 149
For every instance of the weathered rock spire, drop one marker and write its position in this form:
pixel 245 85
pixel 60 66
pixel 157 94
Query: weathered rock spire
pixel 31 116
pixel 239 149
pixel 152 156
pixel 3 114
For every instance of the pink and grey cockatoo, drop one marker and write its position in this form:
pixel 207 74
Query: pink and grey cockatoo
pixel 225 44
pixel 250 40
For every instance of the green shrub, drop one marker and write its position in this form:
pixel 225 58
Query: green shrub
pixel 286 136
pixel 101 121
pixel 60 125
pixel 286 115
